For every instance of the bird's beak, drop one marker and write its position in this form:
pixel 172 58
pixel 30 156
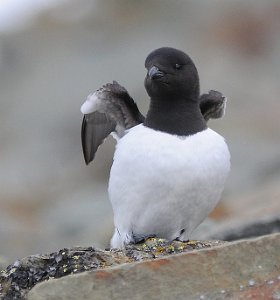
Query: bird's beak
pixel 155 73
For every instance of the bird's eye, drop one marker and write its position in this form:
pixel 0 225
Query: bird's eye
pixel 178 66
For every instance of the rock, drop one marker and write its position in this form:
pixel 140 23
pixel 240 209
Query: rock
pixel 238 270
pixel 238 228
pixel 19 277
pixel 247 229
pixel 253 214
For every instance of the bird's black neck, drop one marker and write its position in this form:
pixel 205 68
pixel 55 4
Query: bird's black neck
pixel 175 116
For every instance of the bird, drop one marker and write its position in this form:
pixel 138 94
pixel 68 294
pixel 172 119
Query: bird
pixel 169 168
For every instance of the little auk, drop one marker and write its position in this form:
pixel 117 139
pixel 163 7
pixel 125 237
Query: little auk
pixel 169 168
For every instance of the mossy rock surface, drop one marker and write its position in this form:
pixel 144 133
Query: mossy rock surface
pixel 17 279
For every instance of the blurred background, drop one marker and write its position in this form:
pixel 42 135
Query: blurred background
pixel 53 53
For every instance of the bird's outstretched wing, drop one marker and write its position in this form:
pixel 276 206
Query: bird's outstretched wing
pixel 213 105
pixel 108 110
pixel 111 110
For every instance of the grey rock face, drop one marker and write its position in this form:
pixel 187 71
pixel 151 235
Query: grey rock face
pixel 238 270
pixel 19 277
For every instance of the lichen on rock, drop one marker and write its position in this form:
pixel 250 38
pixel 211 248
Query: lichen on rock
pixel 18 278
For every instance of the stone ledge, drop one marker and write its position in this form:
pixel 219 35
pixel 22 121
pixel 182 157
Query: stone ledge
pixel 238 270
pixel 18 278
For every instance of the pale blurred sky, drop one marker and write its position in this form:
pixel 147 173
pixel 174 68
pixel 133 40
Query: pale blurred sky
pixel 18 14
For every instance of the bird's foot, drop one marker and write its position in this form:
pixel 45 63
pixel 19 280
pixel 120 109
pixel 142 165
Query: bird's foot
pixel 178 239
pixel 181 237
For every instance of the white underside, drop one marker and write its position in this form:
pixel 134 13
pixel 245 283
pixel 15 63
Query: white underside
pixel 161 183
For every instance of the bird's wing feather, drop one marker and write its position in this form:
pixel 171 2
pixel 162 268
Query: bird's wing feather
pixel 108 110
pixel 95 128
pixel 213 105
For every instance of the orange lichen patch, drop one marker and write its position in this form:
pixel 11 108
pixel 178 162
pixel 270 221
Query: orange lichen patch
pixel 103 275
pixel 221 212
pixel 244 31
pixel 23 210
pixel 156 264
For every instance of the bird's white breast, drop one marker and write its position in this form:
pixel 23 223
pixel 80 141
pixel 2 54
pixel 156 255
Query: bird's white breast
pixel 161 183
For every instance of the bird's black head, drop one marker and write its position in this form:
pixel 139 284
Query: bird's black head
pixel 171 74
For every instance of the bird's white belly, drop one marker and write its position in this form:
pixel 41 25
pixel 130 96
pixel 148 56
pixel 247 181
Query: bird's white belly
pixel 161 184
